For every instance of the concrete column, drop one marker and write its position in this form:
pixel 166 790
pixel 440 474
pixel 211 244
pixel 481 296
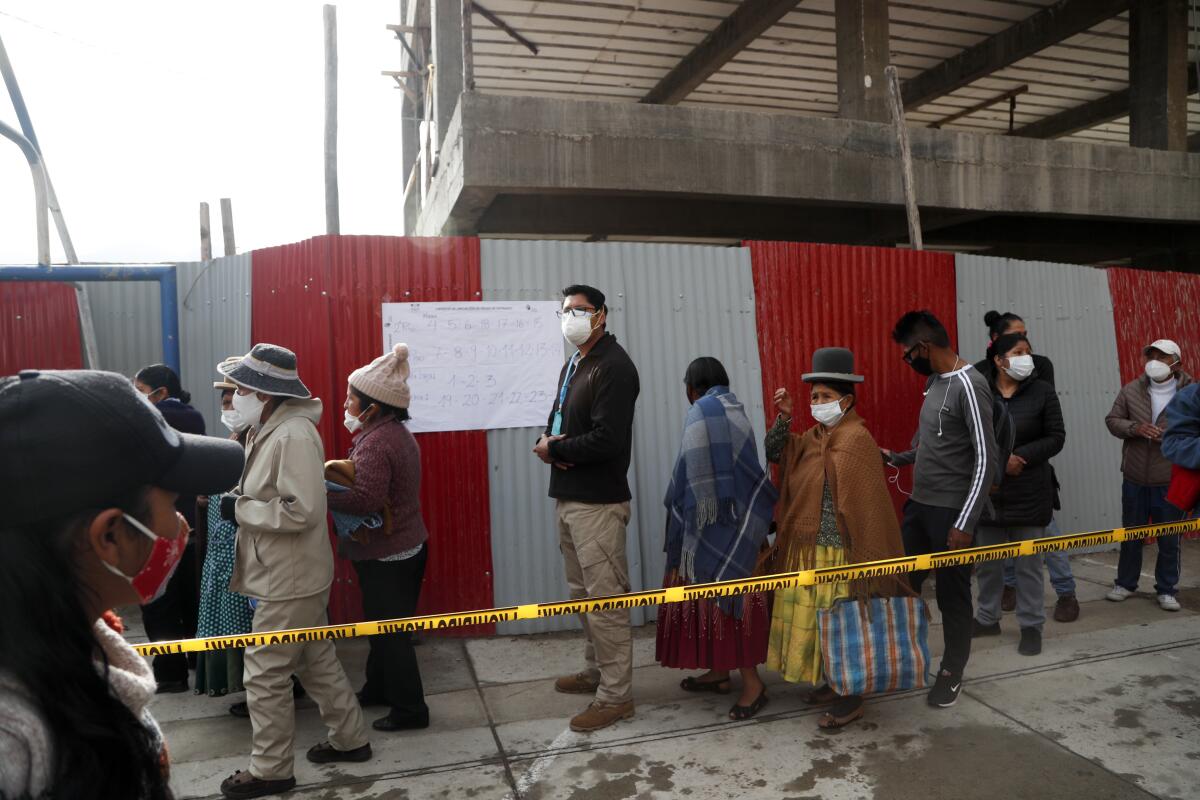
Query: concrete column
pixel 410 145
pixel 1158 66
pixel 862 54
pixel 446 21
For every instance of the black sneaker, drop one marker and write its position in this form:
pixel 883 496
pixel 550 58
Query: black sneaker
pixel 945 690
pixel 979 629
pixel 1031 642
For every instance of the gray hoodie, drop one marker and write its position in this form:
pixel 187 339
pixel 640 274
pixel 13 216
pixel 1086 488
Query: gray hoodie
pixel 954 449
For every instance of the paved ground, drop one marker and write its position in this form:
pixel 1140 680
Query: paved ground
pixel 1111 709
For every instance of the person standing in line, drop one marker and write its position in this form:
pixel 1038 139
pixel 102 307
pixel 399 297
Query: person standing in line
pixel 390 562
pixel 1024 503
pixel 89 474
pixel 1138 418
pixel 588 443
pixel 222 612
pixel 955 456
pixel 285 563
pixel 719 507
pixel 1181 442
pixel 174 615
pixel 1058 562
pixel 834 509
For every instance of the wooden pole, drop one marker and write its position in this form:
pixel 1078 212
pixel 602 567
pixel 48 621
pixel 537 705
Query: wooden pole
pixel 205 234
pixel 332 217
pixel 227 226
pixel 906 175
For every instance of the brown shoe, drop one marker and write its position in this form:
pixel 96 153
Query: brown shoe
pixel 1066 609
pixel 579 683
pixel 600 715
pixel 1008 600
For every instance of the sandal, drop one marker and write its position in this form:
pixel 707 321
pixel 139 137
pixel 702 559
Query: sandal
pixel 746 712
pixel 832 721
pixel 690 684
pixel 822 695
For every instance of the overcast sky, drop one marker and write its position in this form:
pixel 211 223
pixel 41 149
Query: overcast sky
pixel 145 109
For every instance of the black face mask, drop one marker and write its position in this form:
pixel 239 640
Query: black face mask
pixel 922 366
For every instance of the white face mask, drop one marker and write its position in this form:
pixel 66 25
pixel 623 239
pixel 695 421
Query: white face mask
pixel 352 423
pixel 231 418
pixel 1157 371
pixel 249 406
pixel 828 414
pixel 1019 367
pixel 577 330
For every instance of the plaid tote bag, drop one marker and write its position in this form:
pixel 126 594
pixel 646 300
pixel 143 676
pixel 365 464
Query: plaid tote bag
pixel 875 647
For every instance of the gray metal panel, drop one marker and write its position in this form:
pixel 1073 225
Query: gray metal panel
pixel 670 304
pixel 127 317
pixel 1069 313
pixel 214 322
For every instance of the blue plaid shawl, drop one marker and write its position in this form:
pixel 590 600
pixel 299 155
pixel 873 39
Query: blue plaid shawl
pixel 720 501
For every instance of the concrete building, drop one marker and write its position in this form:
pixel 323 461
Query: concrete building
pixel 1039 129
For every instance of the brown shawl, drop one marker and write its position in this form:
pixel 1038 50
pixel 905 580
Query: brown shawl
pixel 848 457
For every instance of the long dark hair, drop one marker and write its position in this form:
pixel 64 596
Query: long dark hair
pixel 1003 344
pixel 704 373
pixel 156 376
pixel 46 644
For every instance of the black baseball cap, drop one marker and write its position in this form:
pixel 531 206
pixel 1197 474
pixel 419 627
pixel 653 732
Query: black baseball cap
pixel 80 439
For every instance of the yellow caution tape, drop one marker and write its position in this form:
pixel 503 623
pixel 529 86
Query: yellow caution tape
pixel 676 594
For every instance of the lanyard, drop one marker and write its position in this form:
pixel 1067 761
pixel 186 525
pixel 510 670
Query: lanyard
pixel 556 428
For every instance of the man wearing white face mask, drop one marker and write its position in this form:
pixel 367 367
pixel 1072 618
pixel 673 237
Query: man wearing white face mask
pixel 285 563
pixel 588 442
pixel 1138 417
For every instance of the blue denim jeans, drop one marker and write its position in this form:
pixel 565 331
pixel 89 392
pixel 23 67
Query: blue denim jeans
pixel 1145 505
pixel 1058 564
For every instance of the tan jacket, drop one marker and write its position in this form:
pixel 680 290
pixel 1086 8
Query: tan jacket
pixel 1142 461
pixel 283 549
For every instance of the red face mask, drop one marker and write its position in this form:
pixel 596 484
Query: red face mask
pixel 151 580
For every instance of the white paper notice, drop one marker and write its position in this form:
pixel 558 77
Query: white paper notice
pixel 477 366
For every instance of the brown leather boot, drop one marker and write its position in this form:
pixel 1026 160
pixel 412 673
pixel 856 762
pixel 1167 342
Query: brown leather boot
pixel 579 683
pixel 1008 600
pixel 600 715
pixel 1066 609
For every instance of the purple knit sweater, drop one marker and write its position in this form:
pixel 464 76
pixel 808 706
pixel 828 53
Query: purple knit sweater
pixel 387 469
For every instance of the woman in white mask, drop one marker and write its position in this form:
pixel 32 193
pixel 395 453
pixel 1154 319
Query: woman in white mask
pixel 1029 430
pixel 389 559
pixel 834 508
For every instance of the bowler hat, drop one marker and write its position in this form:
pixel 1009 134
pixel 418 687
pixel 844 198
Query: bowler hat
pixel 832 364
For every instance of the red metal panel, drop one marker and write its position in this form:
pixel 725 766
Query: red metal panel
pixel 1154 305
pixel 809 296
pixel 333 311
pixel 39 327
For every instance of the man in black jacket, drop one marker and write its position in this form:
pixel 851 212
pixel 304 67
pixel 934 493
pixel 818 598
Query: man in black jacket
pixel 588 442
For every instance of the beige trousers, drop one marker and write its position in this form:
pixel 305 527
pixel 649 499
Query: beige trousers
pixel 268 678
pixel 592 541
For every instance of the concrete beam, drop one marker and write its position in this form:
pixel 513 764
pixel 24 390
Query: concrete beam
pixel 862 55
pixel 748 21
pixel 537 145
pixel 1089 115
pixel 446 22
pixel 1158 74
pixel 1045 28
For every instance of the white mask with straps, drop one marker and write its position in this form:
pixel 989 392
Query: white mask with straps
pixel 249 406
pixel 828 414
pixel 1157 371
pixel 577 330
pixel 232 418
pixel 1019 367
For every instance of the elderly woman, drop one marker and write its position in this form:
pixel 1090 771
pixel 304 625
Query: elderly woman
pixel 390 559
pixel 718 513
pixel 834 508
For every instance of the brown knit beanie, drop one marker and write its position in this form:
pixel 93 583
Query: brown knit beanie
pixel 386 378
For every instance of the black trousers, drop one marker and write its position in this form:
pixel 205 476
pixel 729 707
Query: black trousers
pixel 926 529
pixel 391 589
pixel 174 616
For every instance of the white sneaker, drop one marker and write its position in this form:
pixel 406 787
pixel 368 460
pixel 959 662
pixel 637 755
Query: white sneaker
pixel 1168 602
pixel 1118 594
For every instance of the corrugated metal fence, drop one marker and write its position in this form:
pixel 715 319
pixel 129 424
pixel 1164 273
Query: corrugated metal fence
pixel 39 327
pixel 1069 314
pixel 669 304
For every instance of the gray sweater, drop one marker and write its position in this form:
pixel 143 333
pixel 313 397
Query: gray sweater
pixel 954 449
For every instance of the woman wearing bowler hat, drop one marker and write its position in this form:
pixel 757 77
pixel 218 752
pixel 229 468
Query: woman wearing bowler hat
pixel 283 561
pixel 834 508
